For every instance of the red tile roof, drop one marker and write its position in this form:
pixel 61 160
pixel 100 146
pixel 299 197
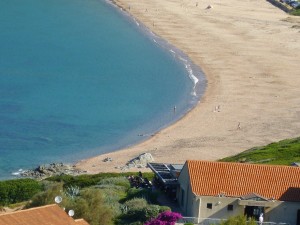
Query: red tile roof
pixel 45 215
pixel 237 179
pixel 81 222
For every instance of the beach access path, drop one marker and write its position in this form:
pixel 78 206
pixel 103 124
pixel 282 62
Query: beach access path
pixel 249 51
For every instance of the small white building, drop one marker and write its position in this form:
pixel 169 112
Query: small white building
pixel 221 189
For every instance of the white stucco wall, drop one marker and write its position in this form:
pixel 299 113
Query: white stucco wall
pixel 219 207
pixel 284 212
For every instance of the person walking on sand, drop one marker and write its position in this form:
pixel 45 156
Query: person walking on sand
pixel 239 126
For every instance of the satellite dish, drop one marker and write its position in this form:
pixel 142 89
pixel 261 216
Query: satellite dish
pixel 58 199
pixel 71 212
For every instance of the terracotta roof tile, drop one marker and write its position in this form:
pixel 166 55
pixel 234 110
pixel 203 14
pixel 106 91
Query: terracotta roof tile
pixel 237 179
pixel 81 222
pixel 45 215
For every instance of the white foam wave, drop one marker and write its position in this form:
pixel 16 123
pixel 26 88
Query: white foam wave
pixel 192 77
pixel 136 22
pixel 182 59
pixel 18 173
pixel 189 69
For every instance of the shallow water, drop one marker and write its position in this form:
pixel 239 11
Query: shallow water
pixel 79 78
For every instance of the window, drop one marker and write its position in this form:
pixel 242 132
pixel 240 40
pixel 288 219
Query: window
pixel 209 205
pixel 230 207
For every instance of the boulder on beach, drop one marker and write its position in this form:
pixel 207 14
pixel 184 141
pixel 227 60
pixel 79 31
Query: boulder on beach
pixel 141 161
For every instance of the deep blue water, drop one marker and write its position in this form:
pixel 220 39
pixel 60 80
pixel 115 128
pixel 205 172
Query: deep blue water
pixel 79 78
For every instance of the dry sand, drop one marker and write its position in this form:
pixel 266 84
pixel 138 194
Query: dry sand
pixel 250 53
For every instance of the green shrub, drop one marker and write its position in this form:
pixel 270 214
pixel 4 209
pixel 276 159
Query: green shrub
pixel 164 208
pixel 147 194
pixel 13 191
pixel 239 220
pixel 151 212
pixel 138 210
pixel 188 224
pixel 90 206
pixel 136 203
pixel 87 180
pixel 117 181
pixel 111 199
pixel 47 197
pixel 296 12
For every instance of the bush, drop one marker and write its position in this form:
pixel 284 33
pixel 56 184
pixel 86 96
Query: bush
pixel 164 208
pixel 13 191
pixel 87 180
pixel 137 211
pixel 47 197
pixel 238 220
pixel 111 198
pixel 90 206
pixel 135 204
pixel 165 218
pixel 117 181
pixel 151 212
pixel 147 194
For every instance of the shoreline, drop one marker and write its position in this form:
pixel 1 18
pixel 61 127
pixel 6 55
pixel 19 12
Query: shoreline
pixel 250 100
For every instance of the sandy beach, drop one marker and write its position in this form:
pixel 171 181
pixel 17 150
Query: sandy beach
pixel 249 51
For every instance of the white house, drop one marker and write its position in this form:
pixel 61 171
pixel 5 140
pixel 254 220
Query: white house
pixel 222 189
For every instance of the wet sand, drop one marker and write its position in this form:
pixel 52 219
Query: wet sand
pixel 249 51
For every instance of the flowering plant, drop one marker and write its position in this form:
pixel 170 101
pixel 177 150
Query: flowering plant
pixel 165 218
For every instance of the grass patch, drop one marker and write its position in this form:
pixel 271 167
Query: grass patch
pixel 279 153
pixel 295 12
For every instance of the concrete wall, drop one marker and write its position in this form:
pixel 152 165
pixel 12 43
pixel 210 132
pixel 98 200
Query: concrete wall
pixel 285 212
pixel 219 207
pixel 183 196
pixel 280 212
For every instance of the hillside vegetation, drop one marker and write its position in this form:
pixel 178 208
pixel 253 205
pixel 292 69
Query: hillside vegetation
pixel 296 12
pixel 279 153
pixel 105 198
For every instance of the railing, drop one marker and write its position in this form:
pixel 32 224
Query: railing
pixel 215 221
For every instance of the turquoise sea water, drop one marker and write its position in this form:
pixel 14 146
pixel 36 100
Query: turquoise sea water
pixel 79 78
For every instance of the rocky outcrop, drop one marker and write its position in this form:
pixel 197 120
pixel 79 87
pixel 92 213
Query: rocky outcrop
pixel 138 162
pixel 44 171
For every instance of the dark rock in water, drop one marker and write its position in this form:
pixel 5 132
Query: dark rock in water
pixel 52 169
